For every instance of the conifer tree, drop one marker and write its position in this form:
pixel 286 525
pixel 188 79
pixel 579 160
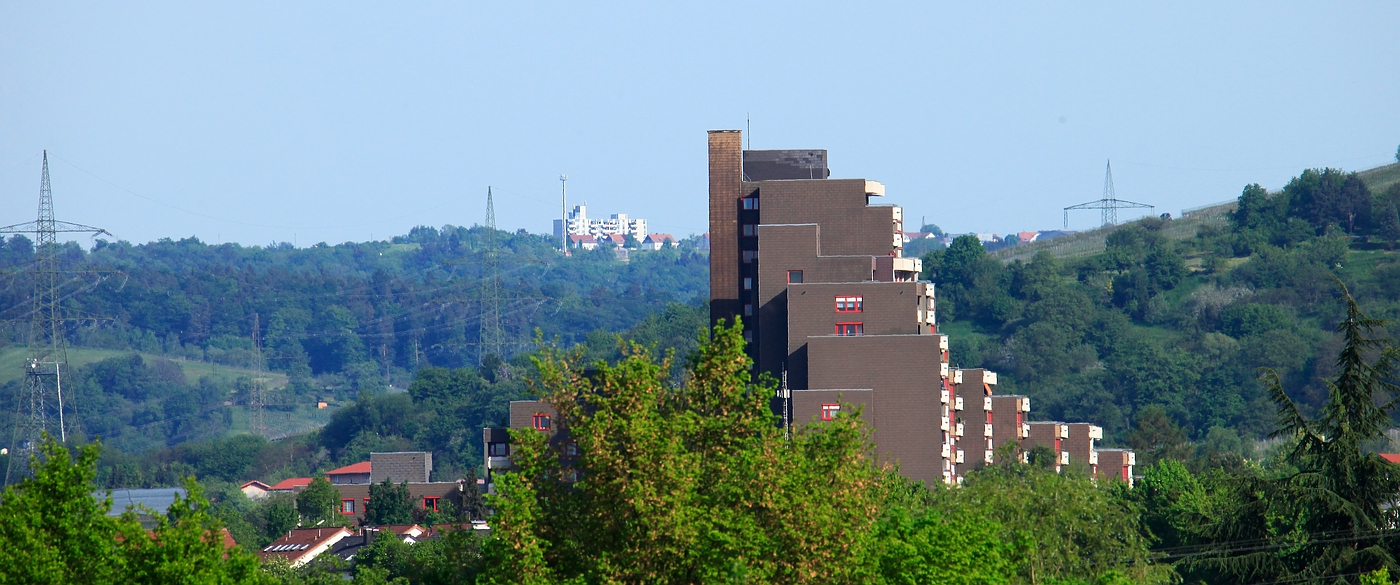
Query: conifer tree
pixel 1332 519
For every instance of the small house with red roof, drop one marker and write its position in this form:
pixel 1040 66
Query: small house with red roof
pixel 583 241
pixel 300 545
pixel 255 490
pixel 350 474
pixel 658 241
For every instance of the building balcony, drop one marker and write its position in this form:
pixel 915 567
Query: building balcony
pixel 943 424
pixel 987 430
pixel 959 432
pixel 958 403
pixel 499 463
pixel 947 451
pixel 960 458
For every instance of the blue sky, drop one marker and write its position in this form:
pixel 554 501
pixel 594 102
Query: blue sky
pixel 341 121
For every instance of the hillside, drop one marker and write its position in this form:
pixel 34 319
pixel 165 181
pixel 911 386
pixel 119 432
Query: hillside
pixel 1167 324
pixel 12 366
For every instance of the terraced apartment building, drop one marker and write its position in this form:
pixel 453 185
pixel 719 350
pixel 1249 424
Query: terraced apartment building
pixel 813 268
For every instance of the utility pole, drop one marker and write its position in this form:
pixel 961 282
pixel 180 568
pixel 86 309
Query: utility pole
pixel 563 215
pixel 41 405
pixel 257 397
pixel 491 339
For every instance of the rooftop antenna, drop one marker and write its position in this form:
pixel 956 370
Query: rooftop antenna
pixel 563 215
pixel 1109 204
pixel 748 130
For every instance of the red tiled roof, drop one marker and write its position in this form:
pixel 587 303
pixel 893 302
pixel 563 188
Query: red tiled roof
pixel 660 237
pixel 256 483
pixel 1391 457
pixel 361 467
pixel 293 483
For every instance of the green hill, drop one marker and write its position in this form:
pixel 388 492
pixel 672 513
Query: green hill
pixel 12 361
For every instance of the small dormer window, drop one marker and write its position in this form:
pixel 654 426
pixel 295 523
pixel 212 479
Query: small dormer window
pixel 540 422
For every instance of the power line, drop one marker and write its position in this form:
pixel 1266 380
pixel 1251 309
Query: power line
pixel 43 411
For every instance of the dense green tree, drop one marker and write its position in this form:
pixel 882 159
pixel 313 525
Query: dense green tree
pixel 317 503
pixel 684 484
pixel 1156 436
pixel 52 530
pixel 389 504
pixel 1061 527
pixel 1330 517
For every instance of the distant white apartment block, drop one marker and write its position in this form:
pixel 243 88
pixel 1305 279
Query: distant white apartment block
pixel 618 224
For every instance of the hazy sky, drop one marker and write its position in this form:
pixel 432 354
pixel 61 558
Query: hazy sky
pixel 338 121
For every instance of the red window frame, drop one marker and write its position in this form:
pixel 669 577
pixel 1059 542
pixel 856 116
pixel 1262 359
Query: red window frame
pixel 830 411
pixel 366 505
pixel 430 503
pixel 540 421
pixel 850 304
pixel 347 510
pixel 852 329
pixel 791 274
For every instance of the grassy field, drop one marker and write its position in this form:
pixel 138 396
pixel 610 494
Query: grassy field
pixel 12 365
pixel 1380 178
pixel 282 424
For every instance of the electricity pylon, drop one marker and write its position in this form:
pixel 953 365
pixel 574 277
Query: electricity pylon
pixel 491 339
pixel 41 408
pixel 1109 204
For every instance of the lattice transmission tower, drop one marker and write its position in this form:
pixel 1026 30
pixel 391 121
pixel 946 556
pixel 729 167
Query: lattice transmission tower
pixel 1109 204
pixel 257 395
pixel 491 339
pixel 41 406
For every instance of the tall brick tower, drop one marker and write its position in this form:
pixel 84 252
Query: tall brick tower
pixel 815 270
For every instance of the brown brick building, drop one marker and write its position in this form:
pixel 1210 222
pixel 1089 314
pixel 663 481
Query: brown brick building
pixel 814 269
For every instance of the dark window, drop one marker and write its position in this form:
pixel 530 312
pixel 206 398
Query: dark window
pixel 850 329
pixel 748 310
pixel 499 449
pixel 540 422
pixel 854 304
pixel 750 203
pixel 750 229
pixel 795 276
pixel 750 255
pixel 571 449
pixel 347 506
pixel 829 411
pixel 430 503
pixel 748 283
